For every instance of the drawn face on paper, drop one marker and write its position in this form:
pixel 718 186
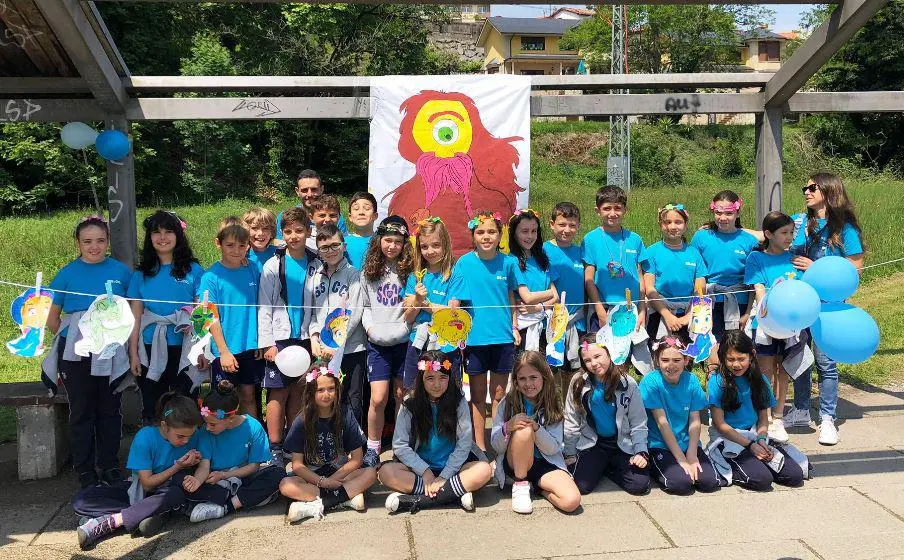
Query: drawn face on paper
pixel 452 325
pixel 35 311
pixel 701 319
pixel 623 322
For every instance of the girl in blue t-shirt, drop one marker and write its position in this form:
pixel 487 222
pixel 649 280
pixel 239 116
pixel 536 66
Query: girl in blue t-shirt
pixel 167 271
pixel 436 461
pixel 534 275
pixel 434 286
pixel 235 471
pixel 740 399
pixel 829 227
pixel 235 344
pixel 327 444
pixel 674 272
pixel 724 246
pixel 161 460
pixel 94 401
pixel 674 398
pixel 763 268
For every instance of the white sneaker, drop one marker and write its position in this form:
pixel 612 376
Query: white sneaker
pixel 233 483
pixel 521 502
pixel 777 431
pixel 467 501
pixel 828 433
pixel 356 503
pixel 302 510
pixel 797 418
pixel 206 511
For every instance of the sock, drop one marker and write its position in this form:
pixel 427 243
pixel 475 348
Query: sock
pixel 332 498
pixel 276 446
pixel 374 444
pixel 451 491
pixel 418 486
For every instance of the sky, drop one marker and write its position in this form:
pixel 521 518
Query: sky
pixel 787 16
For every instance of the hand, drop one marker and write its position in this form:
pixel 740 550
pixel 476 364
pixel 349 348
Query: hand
pixel 215 477
pixel 420 291
pixel 641 321
pixel 203 363
pixel 432 488
pixel 801 263
pixel 270 354
pixel 571 460
pixel 135 363
pixel 190 484
pixel 743 323
pixel 429 478
pixel 760 451
pixel 692 468
pixel 316 347
pixel 638 461
pixel 517 336
pixel 601 314
pixel 671 322
pixel 517 422
pixel 190 459
pixel 228 363
pixel 330 484
pixel 259 354
pixel 533 308
pixel 685 319
pixel 522 309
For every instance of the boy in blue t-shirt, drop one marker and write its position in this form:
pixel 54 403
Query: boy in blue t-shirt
pixel 261 224
pixel 566 261
pixel 362 213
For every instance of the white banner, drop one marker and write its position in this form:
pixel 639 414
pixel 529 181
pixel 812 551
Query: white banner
pixel 449 146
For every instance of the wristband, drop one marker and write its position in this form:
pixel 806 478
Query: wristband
pixel 762 437
pixel 319 482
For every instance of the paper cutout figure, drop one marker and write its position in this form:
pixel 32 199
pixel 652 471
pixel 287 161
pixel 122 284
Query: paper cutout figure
pixel 335 327
pixel 622 320
pixel 419 275
pixel 700 329
pixel 200 319
pixel 556 325
pixel 451 327
pixel 105 326
pixel 30 311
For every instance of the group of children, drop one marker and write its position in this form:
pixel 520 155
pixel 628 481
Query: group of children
pixel 556 431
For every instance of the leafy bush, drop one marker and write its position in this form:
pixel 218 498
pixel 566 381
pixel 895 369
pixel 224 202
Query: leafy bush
pixel 655 160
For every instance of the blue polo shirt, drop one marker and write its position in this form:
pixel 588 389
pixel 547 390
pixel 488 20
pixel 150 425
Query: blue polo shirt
pixel 568 265
pixel 678 401
pixel 245 444
pixel 79 276
pixel 763 268
pixel 817 245
pixel 624 248
pixel 746 415
pixel 675 269
pixel 238 286
pixel 163 286
pixel 439 292
pixel 725 255
pixel 602 411
pixel 488 286
pixel 150 451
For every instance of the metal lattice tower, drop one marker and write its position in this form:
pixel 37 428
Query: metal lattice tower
pixel 618 166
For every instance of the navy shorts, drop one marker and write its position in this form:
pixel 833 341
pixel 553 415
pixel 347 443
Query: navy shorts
pixel 273 378
pixel 250 372
pixel 775 348
pixel 385 362
pixel 536 471
pixel 413 356
pixel 496 358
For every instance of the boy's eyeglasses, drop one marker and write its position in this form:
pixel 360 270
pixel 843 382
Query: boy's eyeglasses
pixel 330 248
pixel 810 189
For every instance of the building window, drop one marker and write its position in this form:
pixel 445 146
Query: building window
pixel 532 73
pixel 770 51
pixel 533 43
pixel 483 8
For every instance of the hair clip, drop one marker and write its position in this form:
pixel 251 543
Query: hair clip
pixel 93 218
pixel 434 365
pixel 475 221
pixel 676 207
pixel 181 221
pixel 219 413
pixel 424 222
pixel 670 342
pixel 727 206
pixel 525 211
pixel 392 229
pixel 167 412
pixel 585 346
pixel 317 372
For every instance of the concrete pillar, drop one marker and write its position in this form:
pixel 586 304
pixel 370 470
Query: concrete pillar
pixel 768 163
pixel 121 202
pixel 42 440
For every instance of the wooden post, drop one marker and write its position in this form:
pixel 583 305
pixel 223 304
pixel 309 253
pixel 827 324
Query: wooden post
pixel 768 163
pixel 121 202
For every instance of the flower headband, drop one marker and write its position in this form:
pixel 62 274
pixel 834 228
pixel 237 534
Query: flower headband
pixel 434 365
pixel 317 372
pixel 676 207
pixel 218 413
pixel 425 221
pixel 392 229
pixel 669 342
pixel 727 206
pixel 93 218
pixel 588 345
pixel 475 221
pixel 525 211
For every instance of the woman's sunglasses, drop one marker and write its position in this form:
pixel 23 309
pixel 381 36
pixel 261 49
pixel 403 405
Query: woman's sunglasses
pixel 810 189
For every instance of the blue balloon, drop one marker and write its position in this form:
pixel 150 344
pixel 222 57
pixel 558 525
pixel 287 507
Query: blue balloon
pixel 792 305
pixel 846 333
pixel 112 145
pixel 834 278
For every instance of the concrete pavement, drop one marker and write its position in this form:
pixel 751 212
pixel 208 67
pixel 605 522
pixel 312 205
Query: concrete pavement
pixel 852 508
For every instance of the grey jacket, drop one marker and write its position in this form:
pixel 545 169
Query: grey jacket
pixel 404 449
pixel 630 417
pixel 383 318
pixel 549 442
pixel 273 316
pixel 327 292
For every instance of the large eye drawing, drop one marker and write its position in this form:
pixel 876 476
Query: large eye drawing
pixel 445 132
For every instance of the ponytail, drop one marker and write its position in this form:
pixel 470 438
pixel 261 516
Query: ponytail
pixel 178 411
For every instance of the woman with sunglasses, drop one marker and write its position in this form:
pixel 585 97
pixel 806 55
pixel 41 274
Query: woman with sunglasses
pixel 829 227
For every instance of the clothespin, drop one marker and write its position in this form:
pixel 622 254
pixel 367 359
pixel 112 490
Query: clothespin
pixel 628 298
pixel 344 304
pixel 38 278
pixel 699 291
pixel 419 274
pixel 204 300
pixel 109 285
pixel 562 298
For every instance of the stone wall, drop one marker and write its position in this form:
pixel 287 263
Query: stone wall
pixel 459 39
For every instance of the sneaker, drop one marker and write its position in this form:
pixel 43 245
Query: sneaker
pixel 111 477
pixel 777 431
pixel 371 458
pixel 233 483
pixel 205 511
pixel 356 503
pixel 521 502
pixel 467 501
pixel 150 526
pixel 797 418
pixel 403 502
pixel 303 510
pixel 88 479
pixel 828 433
pixel 94 530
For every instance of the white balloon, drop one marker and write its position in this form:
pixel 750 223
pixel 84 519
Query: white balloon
pixel 772 329
pixel 293 361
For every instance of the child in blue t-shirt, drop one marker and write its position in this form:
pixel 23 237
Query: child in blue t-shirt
pixel 261 225
pixel 235 470
pixel 675 272
pixel 724 246
pixel 167 272
pixel 535 279
pixel 235 345
pixel 763 268
pixel 740 398
pixel 566 262
pixel 614 257
pixel 674 398
pixel 362 213
pixel 94 402
pixel 164 460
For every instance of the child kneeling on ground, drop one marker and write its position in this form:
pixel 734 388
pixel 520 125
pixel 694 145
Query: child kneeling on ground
pixel 527 436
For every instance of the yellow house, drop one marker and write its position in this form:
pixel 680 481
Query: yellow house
pixel 762 50
pixel 527 46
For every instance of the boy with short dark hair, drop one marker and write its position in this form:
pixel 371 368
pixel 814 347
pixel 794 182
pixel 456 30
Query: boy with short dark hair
pixel 566 261
pixel 323 209
pixel 362 213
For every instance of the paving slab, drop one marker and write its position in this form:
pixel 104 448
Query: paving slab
pixel 890 496
pixel 497 535
pixel 857 402
pixel 781 515
pixel 881 545
pixel 786 550
pixel 20 525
